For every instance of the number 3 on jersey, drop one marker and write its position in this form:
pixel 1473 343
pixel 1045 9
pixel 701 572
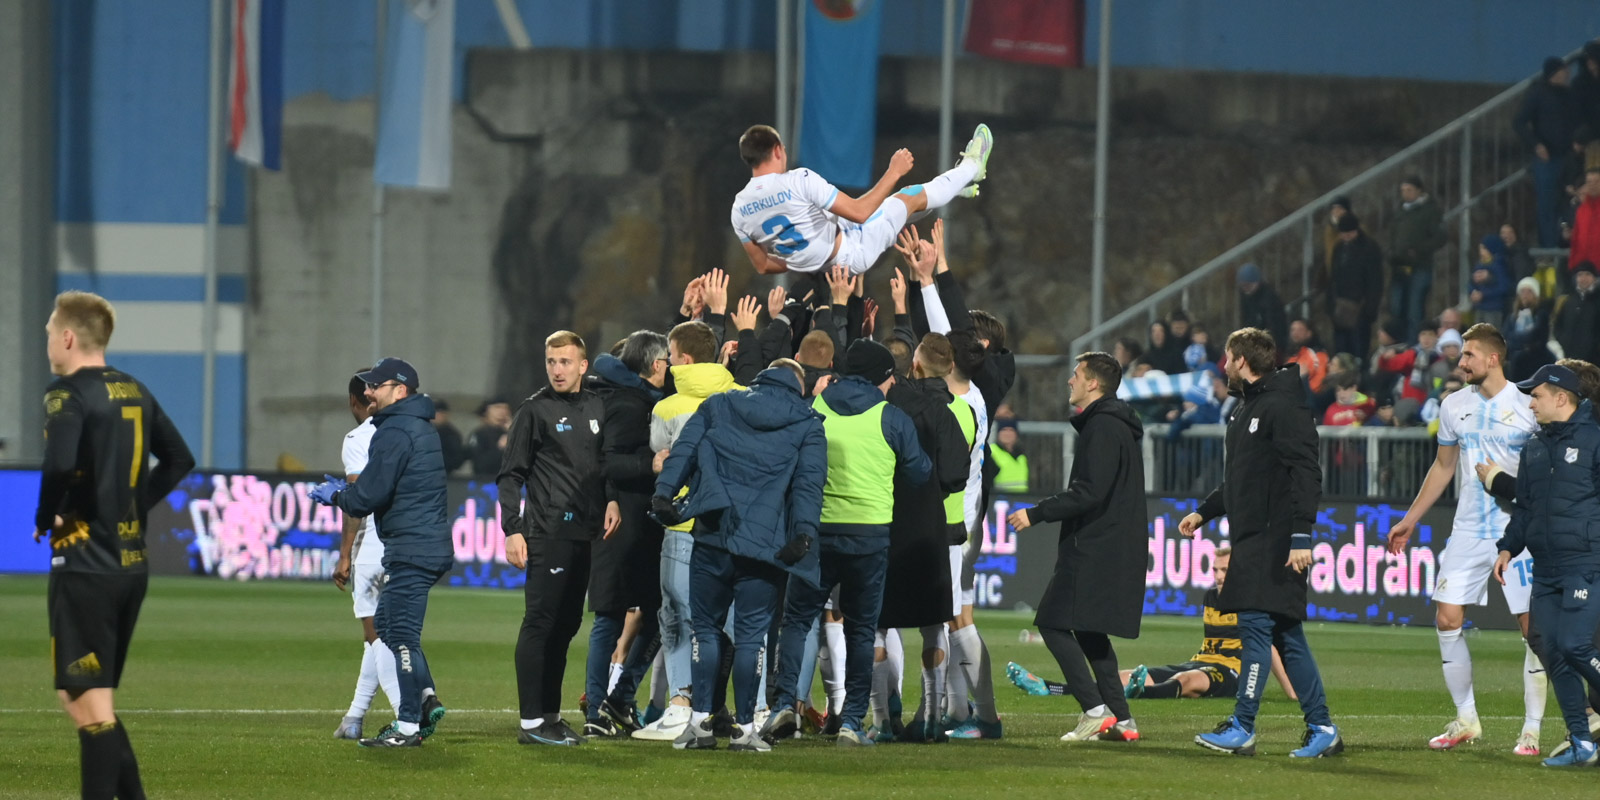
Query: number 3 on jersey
pixel 789 240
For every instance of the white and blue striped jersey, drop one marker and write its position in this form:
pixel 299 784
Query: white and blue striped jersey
pixel 786 214
pixel 1484 428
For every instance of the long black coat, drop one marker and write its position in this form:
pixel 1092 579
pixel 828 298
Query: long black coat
pixel 1270 489
pixel 916 590
pixel 1100 561
pixel 625 570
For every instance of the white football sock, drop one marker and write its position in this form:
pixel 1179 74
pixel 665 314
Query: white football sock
pixel 1458 673
pixel 983 682
pixel 1534 682
pixel 530 724
pixel 697 717
pixel 895 649
pixel 964 657
pixel 611 681
pixel 935 644
pixel 388 676
pixel 943 189
pixel 882 673
pixel 366 684
pixel 833 664
pixel 407 728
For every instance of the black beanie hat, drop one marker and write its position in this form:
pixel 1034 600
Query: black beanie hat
pixel 1349 222
pixel 869 360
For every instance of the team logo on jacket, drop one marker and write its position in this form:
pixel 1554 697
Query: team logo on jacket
pixel 594 426
pixel 1572 455
pixel 1255 422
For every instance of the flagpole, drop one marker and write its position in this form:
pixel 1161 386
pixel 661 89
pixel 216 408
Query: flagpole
pixel 1102 153
pixel 785 59
pixel 947 89
pixel 208 323
pixel 377 188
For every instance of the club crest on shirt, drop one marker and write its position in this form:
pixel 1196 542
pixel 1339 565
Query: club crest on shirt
pixel 1508 415
pixel 594 426
pixel 1572 455
pixel 1255 422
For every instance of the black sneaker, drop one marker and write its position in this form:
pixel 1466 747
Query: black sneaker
pixel 600 726
pixel 696 737
pixel 722 724
pixel 392 737
pixel 551 733
pixel 832 726
pixel 625 717
pixel 432 712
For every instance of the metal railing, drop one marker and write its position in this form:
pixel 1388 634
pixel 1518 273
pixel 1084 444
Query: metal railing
pixel 1365 462
pixel 1473 167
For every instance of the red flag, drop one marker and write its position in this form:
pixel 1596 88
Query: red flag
pixel 1030 31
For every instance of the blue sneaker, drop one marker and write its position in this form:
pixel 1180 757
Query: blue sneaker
pixel 1582 753
pixel 975 728
pixel 1320 741
pixel 851 736
pixel 1229 737
pixel 1025 680
pixel 1135 687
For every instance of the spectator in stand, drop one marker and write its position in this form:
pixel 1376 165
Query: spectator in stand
pixel 1576 317
pixel 1410 366
pixel 1012 477
pixel 455 453
pixel 1341 364
pixel 1415 235
pixel 1444 367
pixel 1178 328
pixel 487 444
pixel 1586 221
pixel 1259 304
pixel 1162 355
pixel 1350 406
pixel 1200 338
pixel 1127 352
pixel 1449 320
pixel 1330 235
pixel 1306 351
pixel 1586 87
pixel 1527 332
pixel 1355 286
pixel 1491 282
pixel 1517 256
pixel 1546 122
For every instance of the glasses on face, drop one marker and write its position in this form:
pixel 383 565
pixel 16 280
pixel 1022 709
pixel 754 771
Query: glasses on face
pixel 373 387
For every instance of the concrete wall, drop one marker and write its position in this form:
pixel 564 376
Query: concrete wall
pixel 311 310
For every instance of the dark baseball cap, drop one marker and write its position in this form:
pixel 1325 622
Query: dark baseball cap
pixel 391 369
pixel 1555 374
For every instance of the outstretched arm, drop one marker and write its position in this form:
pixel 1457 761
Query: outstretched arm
pixel 858 209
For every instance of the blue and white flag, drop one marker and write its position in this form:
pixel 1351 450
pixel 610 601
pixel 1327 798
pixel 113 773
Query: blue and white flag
pixel 414 97
pixel 255 82
pixel 839 89
pixel 1158 384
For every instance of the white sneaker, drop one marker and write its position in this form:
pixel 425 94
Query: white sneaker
pixel 668 728
pixel 1527 744
pixel 1458 732
pixel 1090 727
pixel 762 715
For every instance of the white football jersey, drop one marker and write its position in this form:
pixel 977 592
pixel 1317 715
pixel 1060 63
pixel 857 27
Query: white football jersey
pixel 787 215
pixel 368 547
pixel 1484 428
pixel 974 494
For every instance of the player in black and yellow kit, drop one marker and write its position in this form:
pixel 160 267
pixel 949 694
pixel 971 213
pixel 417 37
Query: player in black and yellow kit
pixel 97 486
pixel 1212 672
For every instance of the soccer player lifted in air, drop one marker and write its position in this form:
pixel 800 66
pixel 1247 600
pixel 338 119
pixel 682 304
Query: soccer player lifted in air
pixel 95 488
pixel 1490 422
pixel 794 221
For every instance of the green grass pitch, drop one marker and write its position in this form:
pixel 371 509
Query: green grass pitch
pixel 234 690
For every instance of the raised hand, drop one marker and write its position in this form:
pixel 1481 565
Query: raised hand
pixel 744 318
pixel 938 246
pixel 869 322
pixel 717 291
pixel 775 301
pixel 897 290
pixel 693 297
pixel 840 284
pixel 729 348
